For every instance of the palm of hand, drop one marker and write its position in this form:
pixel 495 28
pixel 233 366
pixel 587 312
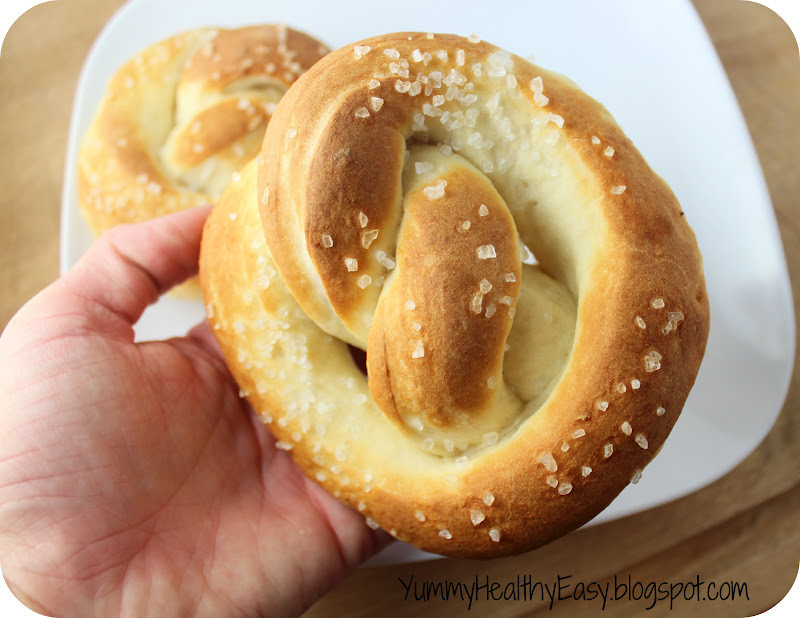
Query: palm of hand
pixel 153 490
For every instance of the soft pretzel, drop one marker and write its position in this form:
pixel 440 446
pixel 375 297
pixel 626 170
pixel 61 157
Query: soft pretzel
pixel 402 184
pixel 184 115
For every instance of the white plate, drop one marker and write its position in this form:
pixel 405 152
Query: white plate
pixel 653 66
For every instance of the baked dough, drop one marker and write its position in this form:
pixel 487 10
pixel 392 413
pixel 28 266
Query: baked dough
pixel 182 117
pixel 527 290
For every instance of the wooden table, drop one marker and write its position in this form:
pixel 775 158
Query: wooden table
pixel 742 528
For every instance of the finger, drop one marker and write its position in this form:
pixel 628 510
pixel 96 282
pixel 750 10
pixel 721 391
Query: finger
pixel 131 265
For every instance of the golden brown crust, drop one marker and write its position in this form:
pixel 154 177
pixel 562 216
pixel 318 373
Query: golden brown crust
pixel 436 342
pixel 180 118
pixel 574 379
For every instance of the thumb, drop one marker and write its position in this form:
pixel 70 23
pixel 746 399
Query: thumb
pixel 130 266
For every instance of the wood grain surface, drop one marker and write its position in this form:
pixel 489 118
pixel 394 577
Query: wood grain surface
pixel 742 528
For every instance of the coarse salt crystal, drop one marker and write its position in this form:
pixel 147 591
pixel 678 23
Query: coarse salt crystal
pixel 540 100
pixel 476 516
pixel 618 190
pixel 436 191
pixel 359 51
pixel 387 262
pixel 476 304
pixel 351 264
pixel 486 252
pixel 549 462
pixel 367 238
pixel 652 362
pixel 419 350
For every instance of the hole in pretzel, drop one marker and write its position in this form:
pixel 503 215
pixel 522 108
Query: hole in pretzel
pixel 359 357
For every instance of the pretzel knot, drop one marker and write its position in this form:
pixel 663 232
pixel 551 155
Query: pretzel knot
pixel 527 291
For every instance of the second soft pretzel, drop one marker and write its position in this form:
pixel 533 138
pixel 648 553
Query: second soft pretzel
pixel 181 118
pixel 505 399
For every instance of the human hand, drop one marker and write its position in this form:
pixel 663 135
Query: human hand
pixel 133 479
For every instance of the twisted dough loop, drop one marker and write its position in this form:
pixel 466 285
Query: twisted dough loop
pixel 182 117
pixel 426 330
pixel 507 403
